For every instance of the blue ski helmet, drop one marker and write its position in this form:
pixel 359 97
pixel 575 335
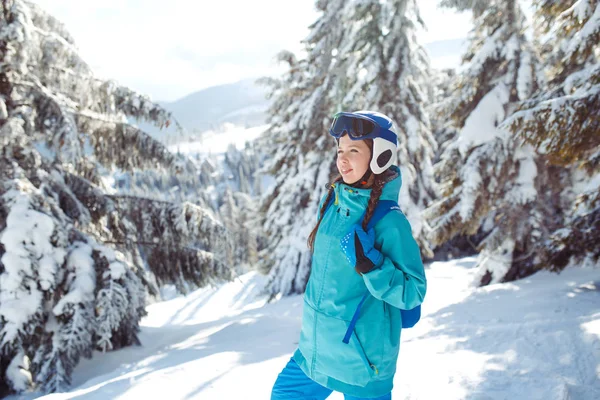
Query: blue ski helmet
pixel 360 125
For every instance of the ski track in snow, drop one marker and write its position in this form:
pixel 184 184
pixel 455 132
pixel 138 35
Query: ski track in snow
pixel 538 338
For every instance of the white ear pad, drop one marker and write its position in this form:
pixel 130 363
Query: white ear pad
pixel 384 155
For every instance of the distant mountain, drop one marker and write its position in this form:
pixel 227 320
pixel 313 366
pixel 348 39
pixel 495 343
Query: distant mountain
pixel 242 103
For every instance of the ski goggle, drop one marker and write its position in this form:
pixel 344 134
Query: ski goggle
pixel 358 127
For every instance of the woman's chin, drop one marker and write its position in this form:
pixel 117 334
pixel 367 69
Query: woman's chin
pixel 349 180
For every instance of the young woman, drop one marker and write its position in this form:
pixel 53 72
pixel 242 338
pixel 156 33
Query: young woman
pixel 347 263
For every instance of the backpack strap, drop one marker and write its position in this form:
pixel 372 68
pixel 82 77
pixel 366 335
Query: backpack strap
pixel 383 207
pixel 354 319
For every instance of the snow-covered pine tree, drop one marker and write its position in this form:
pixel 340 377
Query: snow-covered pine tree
pixel 73 256
pixel 230 215
pixel 238 213
pixel 181 243
pixel 360 55
pixel 444 131
pixel 166 186
pixel 242 165
pixel 563 122
pixel 237 170
pixel 301 160
pixel 443 128
pixel 249 223
pixel 387 70
pixel 491 183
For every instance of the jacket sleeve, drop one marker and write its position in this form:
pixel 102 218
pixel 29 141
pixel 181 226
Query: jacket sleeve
pixel 400 279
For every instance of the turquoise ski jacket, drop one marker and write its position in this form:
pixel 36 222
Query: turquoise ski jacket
pixel 364 367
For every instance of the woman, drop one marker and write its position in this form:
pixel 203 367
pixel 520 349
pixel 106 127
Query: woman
pixel 348 262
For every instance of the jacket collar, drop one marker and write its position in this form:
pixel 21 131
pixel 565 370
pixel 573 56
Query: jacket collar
pixel 391 189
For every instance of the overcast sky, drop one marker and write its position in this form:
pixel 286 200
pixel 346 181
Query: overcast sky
pixel 170 49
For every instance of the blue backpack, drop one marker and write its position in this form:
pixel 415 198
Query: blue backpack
pixel 409 317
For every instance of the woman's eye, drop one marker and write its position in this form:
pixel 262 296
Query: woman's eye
pixel 354 151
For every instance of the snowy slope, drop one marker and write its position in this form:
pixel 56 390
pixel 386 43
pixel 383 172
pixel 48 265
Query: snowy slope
pixel 538 338
pixel 215 142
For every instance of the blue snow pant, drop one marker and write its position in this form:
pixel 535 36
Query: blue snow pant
pixel 292 383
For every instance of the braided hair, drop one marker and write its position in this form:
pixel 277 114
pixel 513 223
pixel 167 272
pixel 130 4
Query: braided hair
pixel 376 189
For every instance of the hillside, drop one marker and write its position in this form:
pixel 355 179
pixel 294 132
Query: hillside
pixel 242 104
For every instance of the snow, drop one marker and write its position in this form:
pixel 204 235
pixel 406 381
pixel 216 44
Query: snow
pixel 524 76
pixel 17 372
pixel 245 111
pixel 217 141
pixel 82 277
pixel 496 262
pixel 591 27
pixel 26 238
pixel 472 181
pixel 538 338
pixel 492 47
pixel 3 111
pixel 481 125
pixel 412 130
pixel 524 190
pixel 117 270
pixel 581 9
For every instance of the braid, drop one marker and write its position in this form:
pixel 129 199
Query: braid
pixel 378 184
pixel 313 234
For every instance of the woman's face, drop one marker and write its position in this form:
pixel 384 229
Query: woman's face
pixel 353 158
